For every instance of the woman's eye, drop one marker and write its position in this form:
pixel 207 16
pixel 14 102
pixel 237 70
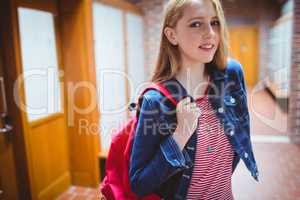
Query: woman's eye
pixel 196 24
pixel 215 23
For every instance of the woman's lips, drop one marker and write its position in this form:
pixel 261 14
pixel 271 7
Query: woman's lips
pixel 207 47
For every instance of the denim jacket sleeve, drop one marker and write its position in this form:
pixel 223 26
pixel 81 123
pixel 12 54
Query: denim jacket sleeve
pixel 154 158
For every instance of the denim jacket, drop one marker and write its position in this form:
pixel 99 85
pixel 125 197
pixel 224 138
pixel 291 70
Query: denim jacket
pixel 157 165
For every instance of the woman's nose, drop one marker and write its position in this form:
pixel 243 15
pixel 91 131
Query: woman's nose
pixel 209 31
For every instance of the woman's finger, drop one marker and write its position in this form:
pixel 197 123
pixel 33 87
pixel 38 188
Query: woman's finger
pixel 184 102
pixel 197 111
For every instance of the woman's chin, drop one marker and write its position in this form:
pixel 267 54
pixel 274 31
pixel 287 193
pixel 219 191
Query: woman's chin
pixel 206 59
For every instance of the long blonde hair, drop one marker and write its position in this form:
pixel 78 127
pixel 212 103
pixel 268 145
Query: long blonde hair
pixel 168 62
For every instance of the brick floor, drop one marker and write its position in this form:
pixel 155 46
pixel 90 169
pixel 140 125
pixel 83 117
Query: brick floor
pixel 279 179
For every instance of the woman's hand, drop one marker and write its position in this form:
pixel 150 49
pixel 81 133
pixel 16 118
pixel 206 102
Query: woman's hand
pixel 187 114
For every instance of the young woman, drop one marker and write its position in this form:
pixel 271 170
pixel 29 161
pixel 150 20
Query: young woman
pixel 191 153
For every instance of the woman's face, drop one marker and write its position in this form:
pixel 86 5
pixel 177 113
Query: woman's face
pixel 197 33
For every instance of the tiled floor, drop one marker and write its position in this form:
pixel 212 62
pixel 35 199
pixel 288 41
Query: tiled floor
pixel 79 193
pixel 278 161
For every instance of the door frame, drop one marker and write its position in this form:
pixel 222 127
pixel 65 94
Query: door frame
pixel 8 179
pixel 8 20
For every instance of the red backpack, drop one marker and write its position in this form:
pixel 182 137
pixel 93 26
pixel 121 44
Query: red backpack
pixel 116 184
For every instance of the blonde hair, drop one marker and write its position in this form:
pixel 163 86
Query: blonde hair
pixel 168 62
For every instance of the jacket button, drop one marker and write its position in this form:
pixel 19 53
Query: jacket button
pixel 246 155
pixel 232 100
pixel 220 110
pixel 231 132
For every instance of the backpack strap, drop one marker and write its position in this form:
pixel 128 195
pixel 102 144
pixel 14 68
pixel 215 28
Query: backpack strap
pixel 155 86
pixel 162 89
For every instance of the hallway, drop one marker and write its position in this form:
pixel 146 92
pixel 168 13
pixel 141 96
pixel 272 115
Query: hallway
pixel 69 70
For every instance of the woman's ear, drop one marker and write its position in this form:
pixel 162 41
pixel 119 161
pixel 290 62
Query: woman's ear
pixel 171 35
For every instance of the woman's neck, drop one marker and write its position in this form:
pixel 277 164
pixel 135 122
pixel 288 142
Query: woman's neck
pixel 193 78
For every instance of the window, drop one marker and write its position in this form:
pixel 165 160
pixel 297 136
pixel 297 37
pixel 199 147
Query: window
pixel 40 64
pixel 119 54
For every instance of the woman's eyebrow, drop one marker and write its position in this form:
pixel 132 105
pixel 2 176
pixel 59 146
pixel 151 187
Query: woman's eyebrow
pixel 200 17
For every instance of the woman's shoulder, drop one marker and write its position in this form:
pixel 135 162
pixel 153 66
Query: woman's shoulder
pixel 234 67
pixel 152 95
pixel 157 100
pixel 235 72
pixel 151 100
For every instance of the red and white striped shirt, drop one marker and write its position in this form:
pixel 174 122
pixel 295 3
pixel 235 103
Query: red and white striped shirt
pixel 211 177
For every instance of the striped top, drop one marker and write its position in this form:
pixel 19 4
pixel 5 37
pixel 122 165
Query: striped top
pixel 211 177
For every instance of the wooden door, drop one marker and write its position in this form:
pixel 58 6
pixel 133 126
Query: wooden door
pixel 41 93
pixel 244 48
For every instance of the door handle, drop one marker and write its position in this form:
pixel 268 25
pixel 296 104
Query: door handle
pixel 6 129
pixel 5 126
